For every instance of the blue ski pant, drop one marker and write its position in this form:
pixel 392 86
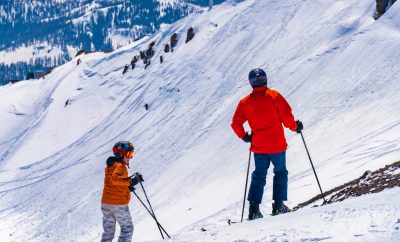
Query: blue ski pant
pixel 258 177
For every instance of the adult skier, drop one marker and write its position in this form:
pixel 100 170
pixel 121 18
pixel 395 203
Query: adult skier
pixel 265 110
pixel 116 193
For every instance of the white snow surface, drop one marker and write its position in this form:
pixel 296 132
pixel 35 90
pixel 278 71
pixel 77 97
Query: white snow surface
pixel 335 65
pixel 34 52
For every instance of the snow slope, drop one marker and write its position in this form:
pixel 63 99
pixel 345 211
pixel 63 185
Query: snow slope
pixel 368 218
pixel 336 66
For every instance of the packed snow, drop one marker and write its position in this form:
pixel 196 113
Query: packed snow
pixel 336 66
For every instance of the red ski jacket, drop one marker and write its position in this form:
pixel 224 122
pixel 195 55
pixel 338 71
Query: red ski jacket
pixel 265 110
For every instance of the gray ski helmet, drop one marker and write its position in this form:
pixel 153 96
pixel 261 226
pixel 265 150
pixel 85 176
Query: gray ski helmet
pixel 257 77
pixel 121 148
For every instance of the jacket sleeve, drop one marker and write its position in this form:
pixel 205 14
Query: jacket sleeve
pixel 239 118
pixel 117 178
pixel 285 112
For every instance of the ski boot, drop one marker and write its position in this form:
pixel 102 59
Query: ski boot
pixel 254 212
pixel 279 208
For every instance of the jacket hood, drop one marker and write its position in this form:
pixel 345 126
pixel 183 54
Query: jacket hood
pixel 111 160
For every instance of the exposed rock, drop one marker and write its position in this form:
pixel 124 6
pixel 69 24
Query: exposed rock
pixel 125 69
pixel 166 48
pixel 189 35
pixel 369 182
pixel 173 41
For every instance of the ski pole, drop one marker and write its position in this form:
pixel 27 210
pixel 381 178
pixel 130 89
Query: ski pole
pixel 151 209
pixel 315 173
pixel 144 205
pixel 245 188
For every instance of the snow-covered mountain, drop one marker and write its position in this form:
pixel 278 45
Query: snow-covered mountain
pixel 42 34
pixel 336 66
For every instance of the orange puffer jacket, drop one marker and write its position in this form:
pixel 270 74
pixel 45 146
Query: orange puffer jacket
pixel 116 183
pixel 265 110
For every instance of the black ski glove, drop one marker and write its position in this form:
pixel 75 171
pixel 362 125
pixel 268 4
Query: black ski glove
pixel 247 137
pixel 139 176
pixel 136 178
pixel 299 126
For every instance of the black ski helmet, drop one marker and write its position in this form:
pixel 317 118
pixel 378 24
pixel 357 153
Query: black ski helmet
pixel 257 77
pixel 121 148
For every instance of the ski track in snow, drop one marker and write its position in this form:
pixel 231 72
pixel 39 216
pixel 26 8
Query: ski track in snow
pixel 336 66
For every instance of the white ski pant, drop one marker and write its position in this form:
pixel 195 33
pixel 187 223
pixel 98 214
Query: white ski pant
pixel 113 214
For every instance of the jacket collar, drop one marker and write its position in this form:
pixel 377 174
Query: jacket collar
pixel 260 89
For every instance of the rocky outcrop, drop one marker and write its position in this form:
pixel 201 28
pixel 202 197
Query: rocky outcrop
pixel 369 182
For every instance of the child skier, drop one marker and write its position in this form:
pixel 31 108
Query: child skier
pixel 116 193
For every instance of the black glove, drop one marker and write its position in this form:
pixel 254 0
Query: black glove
pixel 299 126
pixel 136 178
pixel 139 176
pixel 247 137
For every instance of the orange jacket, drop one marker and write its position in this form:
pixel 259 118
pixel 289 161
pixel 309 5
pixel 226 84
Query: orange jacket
pixel 116 183
pixel 265 110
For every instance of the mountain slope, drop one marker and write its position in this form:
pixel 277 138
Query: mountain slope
pixel 334 64
pixel 371 217
pixel 42 34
